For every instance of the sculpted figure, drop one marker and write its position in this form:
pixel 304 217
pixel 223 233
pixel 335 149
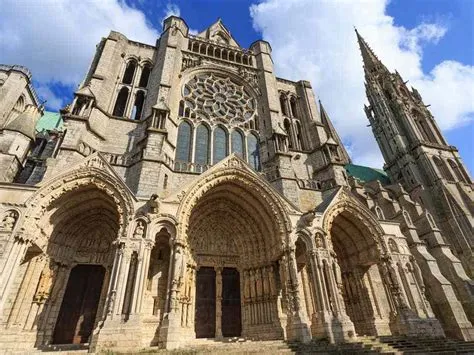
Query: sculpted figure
pixel 139 229
pixel 9 221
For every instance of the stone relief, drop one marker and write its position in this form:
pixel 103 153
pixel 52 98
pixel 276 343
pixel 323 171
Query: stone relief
pixel 9 221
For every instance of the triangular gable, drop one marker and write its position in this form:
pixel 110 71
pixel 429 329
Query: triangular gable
pixel 219 33
pixel 95 160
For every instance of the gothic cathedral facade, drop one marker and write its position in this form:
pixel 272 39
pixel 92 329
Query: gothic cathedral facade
pixel 194 194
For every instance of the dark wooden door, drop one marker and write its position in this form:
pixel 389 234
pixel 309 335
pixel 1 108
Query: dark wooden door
pixel 79 307
pixel 205 320
pixel 231 311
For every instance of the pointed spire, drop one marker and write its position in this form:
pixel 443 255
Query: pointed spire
pixel 371 61
pixel 333 137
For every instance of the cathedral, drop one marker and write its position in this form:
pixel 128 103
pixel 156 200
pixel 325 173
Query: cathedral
pixel 188 192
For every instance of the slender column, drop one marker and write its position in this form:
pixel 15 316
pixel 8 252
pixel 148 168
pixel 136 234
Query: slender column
pixel 122 278
pixel 144 273
pixel 253 297
pixel 112 290
pixel 218 302
pixel 177 274
pixel 11 267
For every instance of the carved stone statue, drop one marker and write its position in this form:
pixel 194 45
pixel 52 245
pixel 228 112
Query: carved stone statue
pixel 9 221
pixel 139 229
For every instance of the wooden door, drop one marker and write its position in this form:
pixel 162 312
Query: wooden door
pixel 79 307
pixel 231 309
pixel 205 319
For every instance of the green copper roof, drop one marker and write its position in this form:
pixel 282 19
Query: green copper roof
pixel 366 174
pixel 49 121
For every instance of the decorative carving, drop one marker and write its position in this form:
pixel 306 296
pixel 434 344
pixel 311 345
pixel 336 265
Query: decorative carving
pixel 218 99
pixel 139 229
pixel 9 221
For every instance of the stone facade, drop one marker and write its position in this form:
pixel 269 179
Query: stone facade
pixel 195 194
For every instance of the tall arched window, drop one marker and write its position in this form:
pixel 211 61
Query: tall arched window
pixel 129 72
pixel 183 147
pixel 294 112
pixel 286 124
pixel 283 105
pixel 138 106
pixel 145 75
pixel 121 103
pixel 456 170
pixel 202 145
pixel 220 145
pixel 443 169
pixel 253 154
pixel 298 135
pixel 237 143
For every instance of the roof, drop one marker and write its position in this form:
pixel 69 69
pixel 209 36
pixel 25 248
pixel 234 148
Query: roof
pixel 366 174
pixel 25 122
pixel 49 121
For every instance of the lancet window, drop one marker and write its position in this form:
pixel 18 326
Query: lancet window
pixel 131 91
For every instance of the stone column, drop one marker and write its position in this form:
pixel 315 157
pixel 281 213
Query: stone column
pixel 112 290
pixel 17 252
pixel 218 302
pixel 122 277
pixel 298 329
pixel 144 273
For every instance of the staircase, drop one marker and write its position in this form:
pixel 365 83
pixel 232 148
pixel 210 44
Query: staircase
pixel 360 345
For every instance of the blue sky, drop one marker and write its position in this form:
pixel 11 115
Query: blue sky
pixel 430 42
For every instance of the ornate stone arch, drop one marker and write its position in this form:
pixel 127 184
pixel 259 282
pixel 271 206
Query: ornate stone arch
pixel 349 205
pixel 233 170
pixel 68 182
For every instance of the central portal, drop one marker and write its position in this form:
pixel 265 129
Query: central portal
pixel 218 301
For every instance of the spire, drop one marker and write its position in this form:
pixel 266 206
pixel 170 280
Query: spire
pixel 333 137
pixel 371 61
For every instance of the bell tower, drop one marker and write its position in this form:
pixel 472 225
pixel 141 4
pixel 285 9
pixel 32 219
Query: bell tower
pixel 417 155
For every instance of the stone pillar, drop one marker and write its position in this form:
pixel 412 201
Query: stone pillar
pixel 122 278
pixel 297 328
pixel 112 290
pixel 7 277
pixel 171 331
pixel 218 302
pixel 148 244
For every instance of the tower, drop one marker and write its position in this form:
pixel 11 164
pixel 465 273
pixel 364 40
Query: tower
pixel 417 155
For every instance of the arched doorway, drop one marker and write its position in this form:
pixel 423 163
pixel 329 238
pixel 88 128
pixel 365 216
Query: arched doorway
pixel 356 271
pixel 233 243
pixel 59 290
pixel 234 230
pixel 85 223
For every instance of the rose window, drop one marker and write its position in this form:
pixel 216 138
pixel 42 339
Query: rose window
pixel 217 98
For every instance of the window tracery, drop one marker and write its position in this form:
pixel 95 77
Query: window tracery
pixel 218 99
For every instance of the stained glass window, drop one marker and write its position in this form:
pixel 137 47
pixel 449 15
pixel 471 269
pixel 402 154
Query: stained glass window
pixel 252 152
pixel 183 147
pixel 202 145
pixel 237 143
pixel 220 144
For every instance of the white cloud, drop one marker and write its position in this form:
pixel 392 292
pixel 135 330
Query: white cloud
pixel 315 40
pixel 170 10
pixel 52 100
pixel 56 39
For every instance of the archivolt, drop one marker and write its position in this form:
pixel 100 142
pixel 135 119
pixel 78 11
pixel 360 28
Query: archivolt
pixel 249 183
pixel 36 225
pixel 350 207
